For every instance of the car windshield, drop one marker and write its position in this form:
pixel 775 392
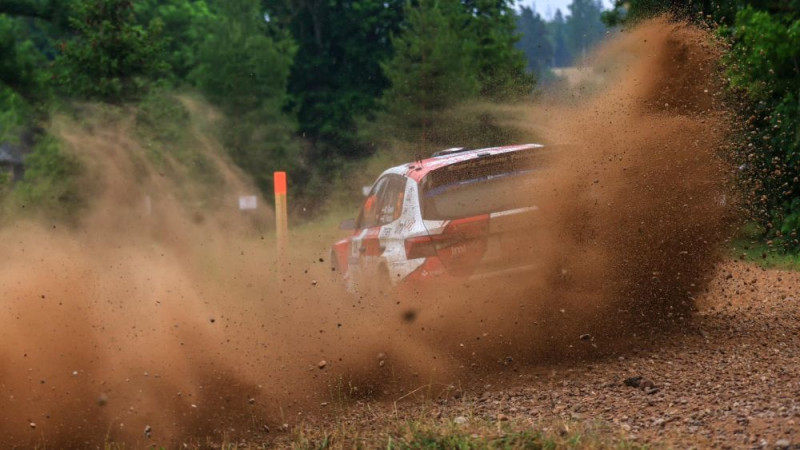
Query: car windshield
pixel 480 186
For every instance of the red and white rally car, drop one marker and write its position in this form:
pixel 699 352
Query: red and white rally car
pixel 458 215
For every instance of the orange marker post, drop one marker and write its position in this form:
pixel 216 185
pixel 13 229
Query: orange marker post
pixel 281 217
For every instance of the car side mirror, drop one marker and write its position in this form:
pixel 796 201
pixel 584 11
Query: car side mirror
pixel 349 224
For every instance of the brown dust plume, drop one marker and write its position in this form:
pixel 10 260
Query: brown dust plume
pixel 160 318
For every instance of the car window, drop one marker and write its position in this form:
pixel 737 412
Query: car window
pixel 370 210
pixel 480 186
pixel 384 204
pixel 391 200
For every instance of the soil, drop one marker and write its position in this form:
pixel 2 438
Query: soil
pixel 165 325
pixel 729 378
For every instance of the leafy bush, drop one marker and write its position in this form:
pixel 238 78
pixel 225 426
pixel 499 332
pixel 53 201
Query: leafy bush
pixel 5 182
pixel 162 118
pixel 111 58
pixel 763 72
pixel 244 71
pixel 50 184
pixel 15 113
pixel 762 65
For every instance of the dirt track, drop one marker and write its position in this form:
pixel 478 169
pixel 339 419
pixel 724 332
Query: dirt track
pixel 186 295
pixel 728 379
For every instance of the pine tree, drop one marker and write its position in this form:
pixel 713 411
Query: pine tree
pixel 492 30
pixel 431 69
pixel 562 57
pixel 336 78
pixel 244 70
pixel 244 64
pixel 584 27
pixel 111 57
pixel 535 41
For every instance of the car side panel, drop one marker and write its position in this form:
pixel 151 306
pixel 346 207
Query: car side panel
pixel 394 235
pixel 340 252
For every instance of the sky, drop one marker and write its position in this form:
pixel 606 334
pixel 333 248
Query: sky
pixel 547 8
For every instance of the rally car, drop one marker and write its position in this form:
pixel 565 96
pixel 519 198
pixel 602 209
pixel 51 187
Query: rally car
pixel 458 215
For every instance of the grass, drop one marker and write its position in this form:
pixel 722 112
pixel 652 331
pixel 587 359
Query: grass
pixel 459 423
pixel 432 433
pixel 765 256
pixel 749 245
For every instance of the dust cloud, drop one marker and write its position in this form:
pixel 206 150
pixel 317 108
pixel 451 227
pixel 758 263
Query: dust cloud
pixel 633 206
pixel 161 317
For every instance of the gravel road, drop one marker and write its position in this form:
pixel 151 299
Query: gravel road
pixel 728 379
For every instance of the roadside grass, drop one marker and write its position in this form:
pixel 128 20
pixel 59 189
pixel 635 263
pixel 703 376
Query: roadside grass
pixel 764 256
pixel 456 421
pixel 431 433
pixel 385 430
pixel 749 245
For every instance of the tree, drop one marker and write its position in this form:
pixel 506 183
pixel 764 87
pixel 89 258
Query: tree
pixel 185 22
pixel 763 72
pixel 19 61
pixel 584 27
pixel 492 34
pixel 432 68
pixel 562 57
pixel 244 67
pixel 337 77
pixel 763 65
pixel 535 41
pixel 244 60
pixel 111 57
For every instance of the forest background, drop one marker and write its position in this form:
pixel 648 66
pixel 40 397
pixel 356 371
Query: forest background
pixel 321 88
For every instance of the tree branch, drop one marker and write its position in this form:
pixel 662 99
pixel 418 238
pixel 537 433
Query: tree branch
pixel 27 8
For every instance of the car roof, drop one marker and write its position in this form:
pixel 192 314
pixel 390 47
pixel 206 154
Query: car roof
pixel 418 169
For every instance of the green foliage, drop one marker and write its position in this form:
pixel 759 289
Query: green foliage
pixel 245 64
pixel 174 131
pixel 111 58
pixel 490 34
pixel 748 245
pixel 562 56
pixel 711 12
pixel 15 113
pixel 450 53
pixel 584 27
pixel 559 42
pixel 185 23
pixel 294 80
pixel 50 184
pixel 766 51
pixel 432 66
pixel 5 183
pixel 162 119
pixel 763 71
pixel 19 60
pixel 535 41
pixel 337 78
pixel 763 64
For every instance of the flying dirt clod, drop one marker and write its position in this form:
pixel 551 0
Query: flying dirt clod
pixel 188 334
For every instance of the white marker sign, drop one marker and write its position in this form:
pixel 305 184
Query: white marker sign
pixel 247 202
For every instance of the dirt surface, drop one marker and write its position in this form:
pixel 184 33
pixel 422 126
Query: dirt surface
pixel 165 317
pixel 729 378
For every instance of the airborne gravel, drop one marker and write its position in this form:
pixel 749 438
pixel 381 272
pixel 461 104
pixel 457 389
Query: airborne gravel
pixel 730 378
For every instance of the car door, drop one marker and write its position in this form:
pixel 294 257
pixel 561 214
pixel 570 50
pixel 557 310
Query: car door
pixel 379 233
pixel 390 240
pixel 367 225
